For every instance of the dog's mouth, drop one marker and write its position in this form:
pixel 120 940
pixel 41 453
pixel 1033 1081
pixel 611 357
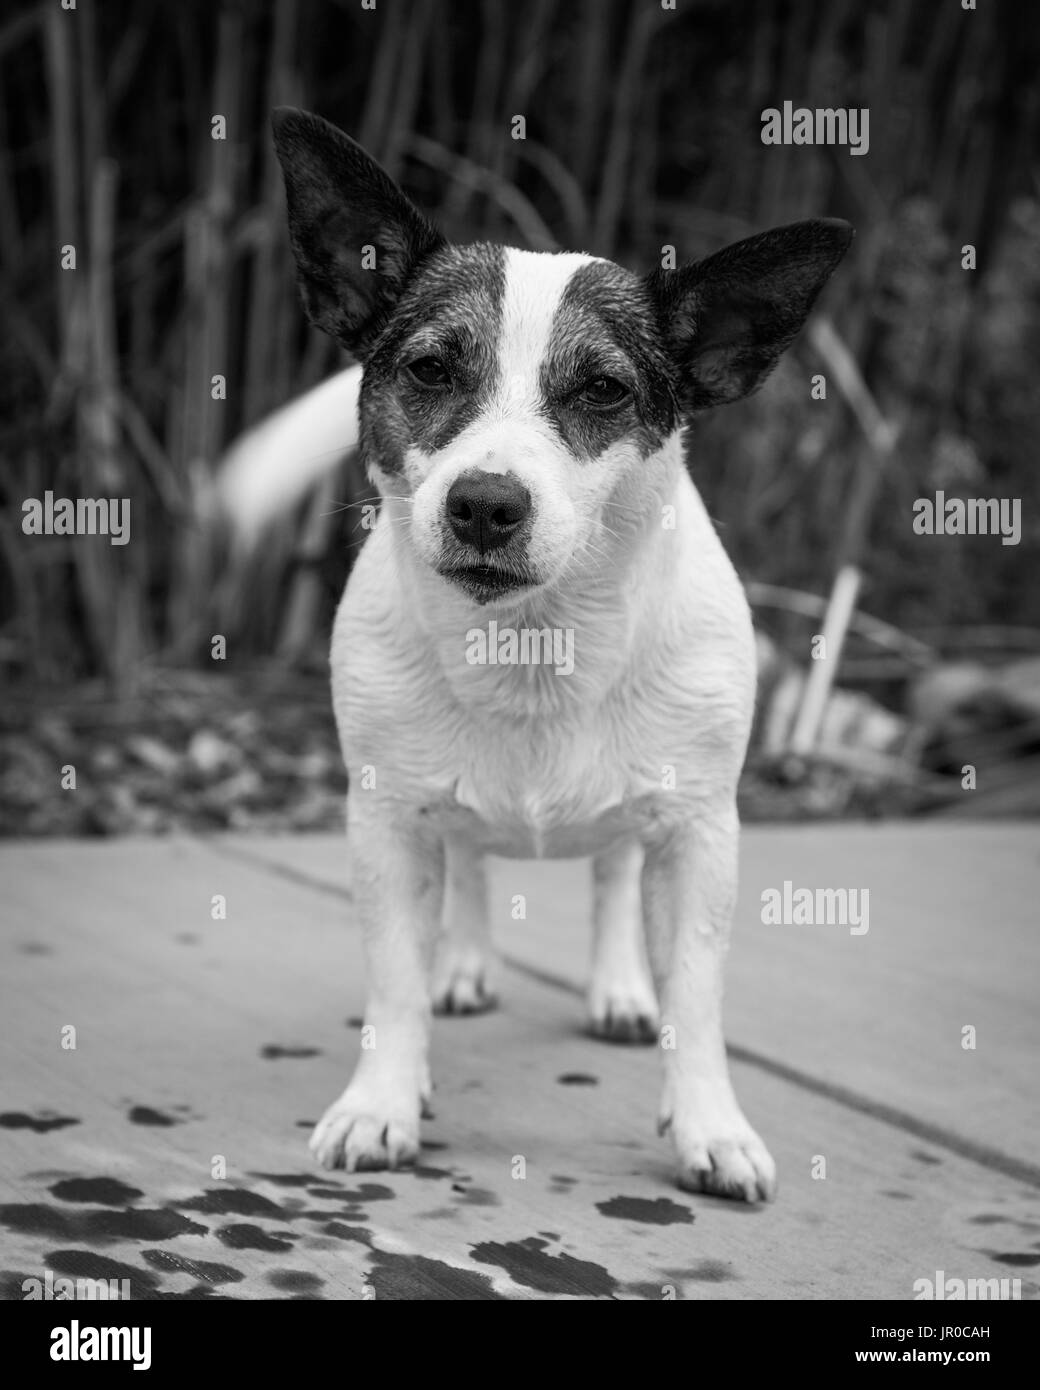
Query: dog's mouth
pixel 485 582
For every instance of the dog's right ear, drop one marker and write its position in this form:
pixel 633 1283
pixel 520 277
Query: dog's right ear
pixel 356 237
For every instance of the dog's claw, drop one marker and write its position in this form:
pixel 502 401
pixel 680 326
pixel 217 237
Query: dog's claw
pixel 625 1026
pixel 353 1135
pixel 463 993
pixel 726 1165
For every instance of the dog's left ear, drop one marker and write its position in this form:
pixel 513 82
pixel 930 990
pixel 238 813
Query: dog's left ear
pixel 727 319
pixel 356 237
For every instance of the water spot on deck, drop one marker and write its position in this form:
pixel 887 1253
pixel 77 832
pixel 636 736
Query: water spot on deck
pixel 206 1270
pixel 40 1123
pixel 272 1052
pixel 416 1276
pixel 526 1263
pixel 659 1211
pixel 477 1196
pixel 107 1192
pixel 232 1201
pixel 285 1179
pixel 133 1223
pixel 242 1237
pixel 145 1115
pixel 294 1280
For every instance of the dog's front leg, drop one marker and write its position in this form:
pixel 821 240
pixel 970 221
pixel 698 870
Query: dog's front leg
pixel 689 891
pixel 397 874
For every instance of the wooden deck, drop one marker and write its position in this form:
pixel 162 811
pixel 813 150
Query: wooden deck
pixel 198 1040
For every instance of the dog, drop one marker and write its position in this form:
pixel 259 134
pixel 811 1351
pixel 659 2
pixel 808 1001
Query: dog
pixel 522 415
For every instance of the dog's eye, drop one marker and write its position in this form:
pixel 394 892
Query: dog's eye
pixel 430 373
pixel 601 392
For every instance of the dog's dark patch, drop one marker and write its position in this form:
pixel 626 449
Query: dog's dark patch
pixel 358 1234
pixel 605 326
pixel 233 1201
pixel 107 1192
pixel 294 1280
pixel 145 1115
pixel 274 1052
pixel 245 1237
pixel 417 1277
pixel 40 1123
pixel 206 1270
pixel 425 1170
pixel 1018 1259
pixel 577 1078
pixel 896 1195
pixel 922 1157
pixel 550 1235
pixel 305 1124
pixel 527 1264
pixel 659 1211
pixel 451 310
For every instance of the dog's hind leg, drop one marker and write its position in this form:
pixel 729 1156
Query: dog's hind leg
pixel 464 960
pixel 621 1001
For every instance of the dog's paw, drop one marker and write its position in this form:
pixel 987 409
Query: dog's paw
pixel 722 1155
pixel 623 1012
pixel 358 1132
pixel 461 984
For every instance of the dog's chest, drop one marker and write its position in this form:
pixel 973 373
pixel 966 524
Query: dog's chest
pixel 550 791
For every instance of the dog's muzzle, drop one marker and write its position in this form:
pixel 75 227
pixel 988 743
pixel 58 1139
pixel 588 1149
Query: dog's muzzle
pixel 487 515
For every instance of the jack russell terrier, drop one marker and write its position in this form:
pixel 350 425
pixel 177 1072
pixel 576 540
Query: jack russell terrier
pixel 522 417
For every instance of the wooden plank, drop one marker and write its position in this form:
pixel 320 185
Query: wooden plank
pixel 173 1011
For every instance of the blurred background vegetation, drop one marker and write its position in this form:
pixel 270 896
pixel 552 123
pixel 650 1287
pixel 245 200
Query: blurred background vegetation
pixel 643 129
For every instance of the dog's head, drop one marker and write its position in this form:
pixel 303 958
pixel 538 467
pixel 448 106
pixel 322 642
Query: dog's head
pixel 517 399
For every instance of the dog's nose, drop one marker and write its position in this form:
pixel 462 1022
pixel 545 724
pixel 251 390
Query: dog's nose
pixel 484 509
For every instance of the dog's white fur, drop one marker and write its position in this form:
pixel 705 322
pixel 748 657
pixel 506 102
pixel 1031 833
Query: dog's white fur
pixel 633 759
